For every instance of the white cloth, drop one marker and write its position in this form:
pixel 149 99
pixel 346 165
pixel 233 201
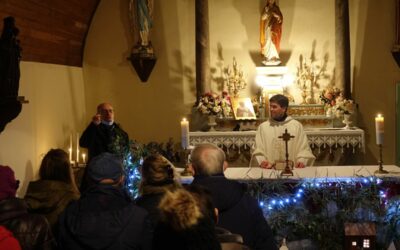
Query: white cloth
pixel 269 147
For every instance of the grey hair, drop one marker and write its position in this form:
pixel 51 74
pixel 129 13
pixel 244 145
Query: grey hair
pixel 207 159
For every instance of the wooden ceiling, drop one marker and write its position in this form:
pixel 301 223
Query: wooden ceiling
pixel 51 31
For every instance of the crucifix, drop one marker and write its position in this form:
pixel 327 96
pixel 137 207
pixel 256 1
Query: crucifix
pixel 288 170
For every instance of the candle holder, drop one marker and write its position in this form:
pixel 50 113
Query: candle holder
pixel 380 170
pixel 287 171
pixel 186 171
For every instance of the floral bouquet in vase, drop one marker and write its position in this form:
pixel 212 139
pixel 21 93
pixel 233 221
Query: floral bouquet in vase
pixel 213 104
pixel 344 108
pixel 328 97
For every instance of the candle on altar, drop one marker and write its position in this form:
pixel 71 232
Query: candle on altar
pixel 185 133
pixel 379 127
pixel 84 158
pixel 70 148
pixel 70 154
pixel 77 148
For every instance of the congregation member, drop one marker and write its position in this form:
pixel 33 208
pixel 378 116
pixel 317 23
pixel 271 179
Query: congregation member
pixel 105 217
pixel 7 240
pixel 238 211
pixel 32 231
pixel 269 148
pixel 182 225
pixel 158 177
pixel 103 134
pixel 55 188
pixel 227 240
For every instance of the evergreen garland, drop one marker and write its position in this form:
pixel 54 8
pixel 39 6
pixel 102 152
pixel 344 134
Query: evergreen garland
pixel 317 209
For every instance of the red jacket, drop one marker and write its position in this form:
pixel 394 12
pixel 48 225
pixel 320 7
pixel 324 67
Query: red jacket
pixel 7 240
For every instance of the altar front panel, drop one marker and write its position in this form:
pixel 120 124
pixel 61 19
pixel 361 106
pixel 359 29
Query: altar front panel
pixel 331 146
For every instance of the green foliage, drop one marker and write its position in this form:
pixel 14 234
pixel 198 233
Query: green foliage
pixel 320 210
pixel 134 155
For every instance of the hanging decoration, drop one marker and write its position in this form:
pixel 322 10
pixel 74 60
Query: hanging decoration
pixel 142 56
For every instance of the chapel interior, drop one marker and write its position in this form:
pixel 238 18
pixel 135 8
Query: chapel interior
pixel 77 54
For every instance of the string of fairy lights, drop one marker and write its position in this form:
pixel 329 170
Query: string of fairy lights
pixel 279 201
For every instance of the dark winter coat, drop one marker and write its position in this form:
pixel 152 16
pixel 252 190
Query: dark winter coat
pixel 104 218
pixel 103 138
pixel 49 198
pixel 238 212
pixel 32 230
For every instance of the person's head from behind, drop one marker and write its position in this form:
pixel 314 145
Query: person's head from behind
pixel 157 171
pixel 106 112
pixel 8 184
pixel 278 105
pixel 182 224
pixel 56 166
pixel 106 168
pixel 207 159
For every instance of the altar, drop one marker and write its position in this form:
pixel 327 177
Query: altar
pixel 331 146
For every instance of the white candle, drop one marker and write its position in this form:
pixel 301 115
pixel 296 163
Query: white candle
pixel 84 158
pixel 77 148
pixel 70 154
pixel 185 133
pixel 379 127
pixel 70 141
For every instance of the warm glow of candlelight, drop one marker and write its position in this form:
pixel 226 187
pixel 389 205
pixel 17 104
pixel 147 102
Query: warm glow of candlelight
pixel 184 133
pixel 379 129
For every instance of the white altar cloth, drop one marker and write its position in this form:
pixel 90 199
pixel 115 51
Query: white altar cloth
pixel 320 138
pixel 330 172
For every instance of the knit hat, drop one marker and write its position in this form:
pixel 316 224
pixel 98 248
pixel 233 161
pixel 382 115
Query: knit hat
pixel 105 166
pixel 8 184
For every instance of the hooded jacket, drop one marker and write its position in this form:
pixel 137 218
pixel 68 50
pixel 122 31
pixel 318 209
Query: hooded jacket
pixel 32 230
pixel 104 218
pixel 238 212
pixel 49 198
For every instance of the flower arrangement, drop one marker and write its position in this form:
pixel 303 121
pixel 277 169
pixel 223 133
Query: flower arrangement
pixel 329 95
pixel 213 104
pixel 343 106
pixel 333 99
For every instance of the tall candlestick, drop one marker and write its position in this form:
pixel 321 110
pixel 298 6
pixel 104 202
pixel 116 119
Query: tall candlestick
pixel 84 158
pixel 185 133
pixel 77 148
pixel 379 127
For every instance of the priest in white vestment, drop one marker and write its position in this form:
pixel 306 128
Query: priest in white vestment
pixel 269 148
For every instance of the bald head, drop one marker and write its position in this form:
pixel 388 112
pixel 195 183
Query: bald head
pixel 207 159
pixel 106 112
